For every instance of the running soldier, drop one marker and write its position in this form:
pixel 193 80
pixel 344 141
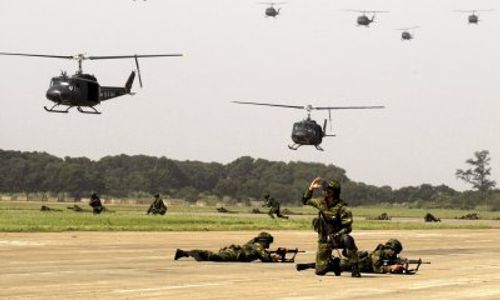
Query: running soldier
pixel 96 204
pixel 274 206
pixel 255 249
pixel 333 224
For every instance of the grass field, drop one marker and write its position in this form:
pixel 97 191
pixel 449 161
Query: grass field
pixel 27 217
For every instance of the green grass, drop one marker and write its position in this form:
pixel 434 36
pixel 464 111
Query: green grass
pixel 27 217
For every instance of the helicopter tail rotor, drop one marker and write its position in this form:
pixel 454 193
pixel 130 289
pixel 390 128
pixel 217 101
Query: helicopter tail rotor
pixel 138 71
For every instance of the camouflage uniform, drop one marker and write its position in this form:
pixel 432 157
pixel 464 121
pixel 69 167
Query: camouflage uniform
pixel 255 249
pixel 430 218
pixel 275 207
pixel 157 207
pixel 96 204
pixel 336 213
pixel 378 260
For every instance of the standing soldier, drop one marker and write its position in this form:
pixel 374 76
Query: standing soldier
pixel 274 206
pixel 157 207
pixel 96 204
pixel 256 248
pixel 333 224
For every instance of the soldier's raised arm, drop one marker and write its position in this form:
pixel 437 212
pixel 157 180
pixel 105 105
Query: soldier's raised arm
pixel 315 184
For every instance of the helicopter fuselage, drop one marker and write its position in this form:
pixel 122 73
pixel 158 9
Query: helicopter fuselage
pixel 405 35
pixel 272 12
pixel 77 90
pixel 473 19
pixel 307 132
pixel 364 20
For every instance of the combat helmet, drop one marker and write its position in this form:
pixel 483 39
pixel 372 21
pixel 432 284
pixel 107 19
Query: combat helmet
pixel 394 245
pixel 332 185
pixel 263 238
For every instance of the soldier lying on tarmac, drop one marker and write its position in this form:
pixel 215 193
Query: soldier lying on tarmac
pixel 384 259
pixel 256 248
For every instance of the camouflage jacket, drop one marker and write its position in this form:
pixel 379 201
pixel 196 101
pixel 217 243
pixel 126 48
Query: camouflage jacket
pixel 377 258
pixel 337 214
pixel 271 202
pixel 249 252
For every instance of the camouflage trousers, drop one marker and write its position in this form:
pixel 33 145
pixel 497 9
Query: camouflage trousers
pixel 222 255
pixel 276 211
pixel 325 249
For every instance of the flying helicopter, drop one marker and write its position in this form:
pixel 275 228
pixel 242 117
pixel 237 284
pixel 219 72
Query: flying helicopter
pixel 363 19
pixel 307 132
pixel 473 18
pixel 271 11
pixel 83 90
pixel 406 34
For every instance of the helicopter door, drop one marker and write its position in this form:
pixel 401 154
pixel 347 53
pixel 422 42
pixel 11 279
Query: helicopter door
pixel 93 92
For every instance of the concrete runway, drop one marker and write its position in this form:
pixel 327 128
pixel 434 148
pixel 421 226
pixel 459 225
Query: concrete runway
pixel 131 265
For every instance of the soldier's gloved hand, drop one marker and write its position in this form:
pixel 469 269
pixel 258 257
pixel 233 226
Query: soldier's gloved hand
pixel 397 269
pixel 276 257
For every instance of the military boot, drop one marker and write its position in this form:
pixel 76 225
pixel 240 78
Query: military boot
pixel 302 267
pixel 355 270
pixel 180 253
pixel 336 266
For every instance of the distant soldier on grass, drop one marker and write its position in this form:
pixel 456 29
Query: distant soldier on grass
pixel 255 249
pixel 158 207
pixel 333 224
pixel 274 206
pixel 431 218
pixel 96 204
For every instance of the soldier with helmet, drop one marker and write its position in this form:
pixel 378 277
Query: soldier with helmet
pixel 96 204
pixel 381 260
pixel 274 206
pixel 157 207
pixel 255 249
pixel 333 224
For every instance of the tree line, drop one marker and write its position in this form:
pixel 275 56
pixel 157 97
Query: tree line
pixel 244 179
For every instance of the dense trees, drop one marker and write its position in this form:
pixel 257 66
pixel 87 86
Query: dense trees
pixel 244 179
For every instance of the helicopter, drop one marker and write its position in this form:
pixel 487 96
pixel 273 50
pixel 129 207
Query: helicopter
pixel 406 35
pixel 307 132
pixel 83 90
pixel 271 11
pixel 473 18
pixel 364 20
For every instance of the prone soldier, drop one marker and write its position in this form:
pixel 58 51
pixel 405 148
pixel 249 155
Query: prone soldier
pixel 333 224
pixel 431 218
pixel 255 249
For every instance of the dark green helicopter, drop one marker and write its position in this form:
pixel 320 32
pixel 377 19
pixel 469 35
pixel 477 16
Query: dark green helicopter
pixel 473 18
pixel 271 11
pixel 407 33
pixel 307 132
pixel 363 19
pixel 83 90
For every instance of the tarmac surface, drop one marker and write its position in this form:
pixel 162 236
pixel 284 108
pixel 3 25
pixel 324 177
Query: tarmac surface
pixel 134 265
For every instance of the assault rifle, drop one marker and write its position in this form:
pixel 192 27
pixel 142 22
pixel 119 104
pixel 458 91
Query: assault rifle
pixel 282 252
pixel 405 262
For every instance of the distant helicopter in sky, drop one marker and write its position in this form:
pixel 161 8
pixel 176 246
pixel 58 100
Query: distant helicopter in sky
pixel 83 90
pixel 363 19
pixel 406 33
pixel 271 11
pixel 473 18
pixel 307 132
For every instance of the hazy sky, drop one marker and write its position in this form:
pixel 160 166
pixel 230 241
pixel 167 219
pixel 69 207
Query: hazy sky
pixel 441 90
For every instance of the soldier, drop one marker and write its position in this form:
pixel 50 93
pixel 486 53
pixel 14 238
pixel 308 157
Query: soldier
pixel 254 249
pixel 381 260
pixel 430 218
pixel 333 224
pixel 274 206
pixel 96 204
pixel 157 207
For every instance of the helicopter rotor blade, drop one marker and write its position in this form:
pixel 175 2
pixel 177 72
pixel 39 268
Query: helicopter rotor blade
pixel 131 56
pixel 407 28
pixel 473 10
pixel 270 104
pixel 347 107
pixel 38 55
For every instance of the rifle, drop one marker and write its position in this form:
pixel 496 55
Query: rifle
pixel 282 252
pixel 405 262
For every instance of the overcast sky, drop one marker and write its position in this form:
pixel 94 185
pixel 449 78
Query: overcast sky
pixel 441 90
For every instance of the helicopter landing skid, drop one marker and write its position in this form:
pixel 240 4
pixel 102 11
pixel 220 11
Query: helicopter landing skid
pixel 319 148
pixel 294 146
pixel 91 112
pixel 57 111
